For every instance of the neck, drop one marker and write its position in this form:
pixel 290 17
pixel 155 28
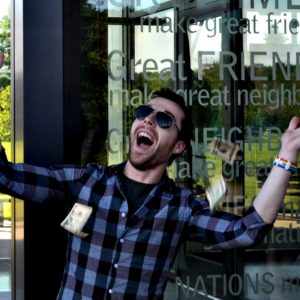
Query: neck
pixel 146 176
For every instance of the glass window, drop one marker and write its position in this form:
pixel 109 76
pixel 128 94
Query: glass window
pixel 237 65
pixel 5 135
pixel 94 84
pixel 271 98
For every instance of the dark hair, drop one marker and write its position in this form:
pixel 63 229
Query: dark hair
pixel 186 132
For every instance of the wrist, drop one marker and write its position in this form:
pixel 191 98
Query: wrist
pixel 288 155
pixel 286 164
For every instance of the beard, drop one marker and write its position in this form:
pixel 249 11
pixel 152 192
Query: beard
pixel 156 156
pixel 143 162
pixel 148 161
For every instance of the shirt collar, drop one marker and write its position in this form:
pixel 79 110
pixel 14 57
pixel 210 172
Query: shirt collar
pixel 165 182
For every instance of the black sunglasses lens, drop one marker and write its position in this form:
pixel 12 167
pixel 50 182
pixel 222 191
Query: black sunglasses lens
pixel 143 111
pixel 164 120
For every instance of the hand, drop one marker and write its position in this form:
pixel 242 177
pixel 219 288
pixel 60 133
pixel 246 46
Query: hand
pixel 290 141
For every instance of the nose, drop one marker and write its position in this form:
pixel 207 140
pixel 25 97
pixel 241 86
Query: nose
pixel 150 119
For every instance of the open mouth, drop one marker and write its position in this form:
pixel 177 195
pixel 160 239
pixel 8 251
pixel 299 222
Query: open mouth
pixel 144 139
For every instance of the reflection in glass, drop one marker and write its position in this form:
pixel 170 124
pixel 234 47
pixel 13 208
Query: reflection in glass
pixel 205 46
pixel 150 5
pixel 125 58
pixel 154 54
pixel 93 83
pixel 271 99
pixel 117 101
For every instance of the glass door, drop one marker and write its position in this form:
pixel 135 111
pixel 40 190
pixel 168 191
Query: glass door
pixel 271 97
pixel 178 45
pixel 244 88
pixel 237 66
pixel 208 48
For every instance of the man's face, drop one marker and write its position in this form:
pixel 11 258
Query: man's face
pixel 151 145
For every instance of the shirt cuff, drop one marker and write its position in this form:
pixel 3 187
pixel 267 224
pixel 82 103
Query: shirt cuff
pixel 252 219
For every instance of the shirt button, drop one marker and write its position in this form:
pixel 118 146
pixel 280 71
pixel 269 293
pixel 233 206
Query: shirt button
pixel 116 266
pixel 110 291
pixel 123 215
pixel 121 241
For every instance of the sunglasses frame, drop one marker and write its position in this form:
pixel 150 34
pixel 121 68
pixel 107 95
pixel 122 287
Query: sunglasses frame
pixel 156 120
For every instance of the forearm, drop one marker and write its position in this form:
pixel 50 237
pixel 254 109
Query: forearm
pixel 225 230
pixel 34 183
pixel 271 195
pixel 29 182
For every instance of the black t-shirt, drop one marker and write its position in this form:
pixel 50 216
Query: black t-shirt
pixel 135 192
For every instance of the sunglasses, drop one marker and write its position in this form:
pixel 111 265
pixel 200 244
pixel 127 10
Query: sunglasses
pixel 163 119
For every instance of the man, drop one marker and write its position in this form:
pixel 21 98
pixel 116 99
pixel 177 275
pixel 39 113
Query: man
pixel 139 217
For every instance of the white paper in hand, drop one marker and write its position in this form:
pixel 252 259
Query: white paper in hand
pixel 216 192
pixel 76 219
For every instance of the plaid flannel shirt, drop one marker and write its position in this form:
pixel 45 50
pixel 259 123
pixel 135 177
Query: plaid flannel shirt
pixel 126 258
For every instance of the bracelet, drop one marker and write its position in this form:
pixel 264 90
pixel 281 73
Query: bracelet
pixel 285 164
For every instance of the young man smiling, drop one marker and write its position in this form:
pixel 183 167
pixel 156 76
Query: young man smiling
pixel 151 146
pixel 139 217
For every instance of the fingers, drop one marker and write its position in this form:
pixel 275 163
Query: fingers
pixel 294 123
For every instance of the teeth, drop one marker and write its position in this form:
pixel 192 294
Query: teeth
pixel 146 135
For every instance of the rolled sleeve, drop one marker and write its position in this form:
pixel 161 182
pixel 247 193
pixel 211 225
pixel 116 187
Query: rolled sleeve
pixel 36 183
pixel 225 230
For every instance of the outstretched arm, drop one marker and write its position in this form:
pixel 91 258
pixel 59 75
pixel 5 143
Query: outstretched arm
pixel 270 197
pixel 36 183
pixel 229 231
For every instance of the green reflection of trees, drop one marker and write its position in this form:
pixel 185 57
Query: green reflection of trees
pixel 264 112
pixel 154 81
pixel 5 94
pixel 5 104
pixel 94 93
pixel 272 113
pixel 259 114
pixel 207 116
pixel 273 110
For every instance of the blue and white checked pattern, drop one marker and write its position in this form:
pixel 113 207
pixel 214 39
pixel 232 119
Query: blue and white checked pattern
pixel 126 258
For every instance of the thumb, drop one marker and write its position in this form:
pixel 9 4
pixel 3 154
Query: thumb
pixel 294 123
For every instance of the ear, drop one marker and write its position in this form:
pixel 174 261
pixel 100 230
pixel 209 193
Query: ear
pixel 179 147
